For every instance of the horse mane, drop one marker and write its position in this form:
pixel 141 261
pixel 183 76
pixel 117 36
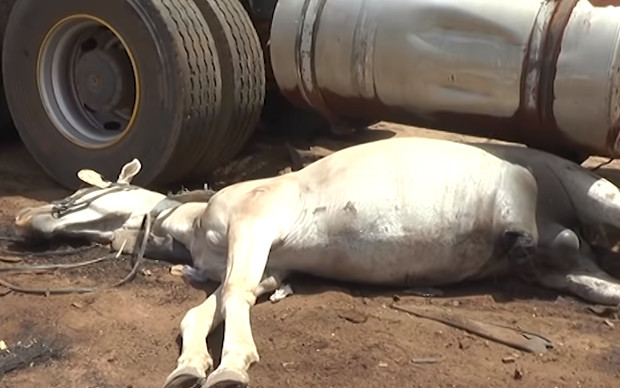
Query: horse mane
pixel 186 196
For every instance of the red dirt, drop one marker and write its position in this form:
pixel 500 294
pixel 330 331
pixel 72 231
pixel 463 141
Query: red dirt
pixel 326 335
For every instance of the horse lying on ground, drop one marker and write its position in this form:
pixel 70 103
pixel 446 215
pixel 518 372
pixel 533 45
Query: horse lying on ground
pixel 401 212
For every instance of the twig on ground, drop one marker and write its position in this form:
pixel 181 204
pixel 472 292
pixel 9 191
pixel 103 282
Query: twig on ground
pixel 515 338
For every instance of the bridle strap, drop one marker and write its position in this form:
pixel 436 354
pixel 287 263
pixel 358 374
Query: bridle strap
pixel 70 204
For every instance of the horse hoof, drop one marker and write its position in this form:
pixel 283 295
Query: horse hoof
pixel 186 377
pixel 227 378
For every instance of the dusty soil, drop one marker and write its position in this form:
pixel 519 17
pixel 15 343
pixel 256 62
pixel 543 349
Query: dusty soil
pixel 326 335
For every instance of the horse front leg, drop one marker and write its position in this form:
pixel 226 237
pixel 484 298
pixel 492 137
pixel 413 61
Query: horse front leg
pixel 249 245
pixel 195 359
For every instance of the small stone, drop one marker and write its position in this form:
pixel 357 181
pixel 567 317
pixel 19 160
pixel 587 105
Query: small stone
pixel 281 293
pixel 456 303
pixel 289 366
pixel 464 344
pixel 383 364
pixel 146 272
pixel 518 375
pixel 353 316
pixel 3 345
pixel 608 323
pixel 508 360
pixel 177 270
pixel 77 305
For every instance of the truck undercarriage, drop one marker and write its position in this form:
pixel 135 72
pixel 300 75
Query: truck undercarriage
pixel 181 85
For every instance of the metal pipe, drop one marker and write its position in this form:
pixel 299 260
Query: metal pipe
pixel 526 71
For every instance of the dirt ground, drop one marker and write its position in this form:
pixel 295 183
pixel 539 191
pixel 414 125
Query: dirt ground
pixel 325 335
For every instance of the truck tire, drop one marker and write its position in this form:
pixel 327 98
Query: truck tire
pixel 243 90
pixel 7 130
pixel 178 84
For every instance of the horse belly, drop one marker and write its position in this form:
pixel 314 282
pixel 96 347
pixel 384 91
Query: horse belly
pixel 391 254
pixel 410 225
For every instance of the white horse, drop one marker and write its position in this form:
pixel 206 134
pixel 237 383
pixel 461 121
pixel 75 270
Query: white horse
pixel 405 211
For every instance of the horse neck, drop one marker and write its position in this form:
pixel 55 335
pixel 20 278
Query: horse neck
pixel 179 222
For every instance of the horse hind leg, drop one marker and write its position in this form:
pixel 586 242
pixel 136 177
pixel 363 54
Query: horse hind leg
pixel 578 274
pixel 596 200
pixel 566 263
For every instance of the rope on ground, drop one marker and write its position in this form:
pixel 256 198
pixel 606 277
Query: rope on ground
pixel 59 252
pixel 48 267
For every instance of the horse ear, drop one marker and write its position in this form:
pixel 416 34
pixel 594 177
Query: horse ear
pixel 129 171
pixel 93 178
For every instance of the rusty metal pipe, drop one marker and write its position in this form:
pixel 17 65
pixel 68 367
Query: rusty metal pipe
pixel 544 73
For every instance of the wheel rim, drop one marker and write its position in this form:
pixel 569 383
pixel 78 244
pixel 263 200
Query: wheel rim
pixel 88 81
